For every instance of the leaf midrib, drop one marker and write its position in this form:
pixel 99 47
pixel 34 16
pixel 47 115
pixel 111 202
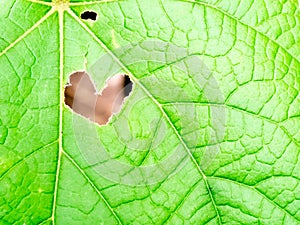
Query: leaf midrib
pixel 61 102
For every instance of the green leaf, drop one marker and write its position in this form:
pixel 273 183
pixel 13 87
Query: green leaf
pixel 209 135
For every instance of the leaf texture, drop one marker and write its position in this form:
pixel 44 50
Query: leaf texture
pixel 209 135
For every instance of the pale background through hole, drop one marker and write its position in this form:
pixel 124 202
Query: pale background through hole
pixel 82 97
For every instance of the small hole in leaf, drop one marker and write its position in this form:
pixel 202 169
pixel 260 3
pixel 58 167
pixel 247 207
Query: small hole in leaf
pixel 82 97
pixel 89 15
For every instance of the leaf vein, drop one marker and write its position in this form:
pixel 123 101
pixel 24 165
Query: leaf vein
pixel 26 157
pixel 257 191
pixel 240 110
pixel 61 103
pixel 247 25
pixel 50 12
pixel 93 186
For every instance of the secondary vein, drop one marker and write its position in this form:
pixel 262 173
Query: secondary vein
pixel 50 12
pixel 93 186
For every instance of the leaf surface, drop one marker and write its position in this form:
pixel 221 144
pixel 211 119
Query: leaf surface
pixel 209 135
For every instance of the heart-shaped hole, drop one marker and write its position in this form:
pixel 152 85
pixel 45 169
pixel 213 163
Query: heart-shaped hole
pixel 82 97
